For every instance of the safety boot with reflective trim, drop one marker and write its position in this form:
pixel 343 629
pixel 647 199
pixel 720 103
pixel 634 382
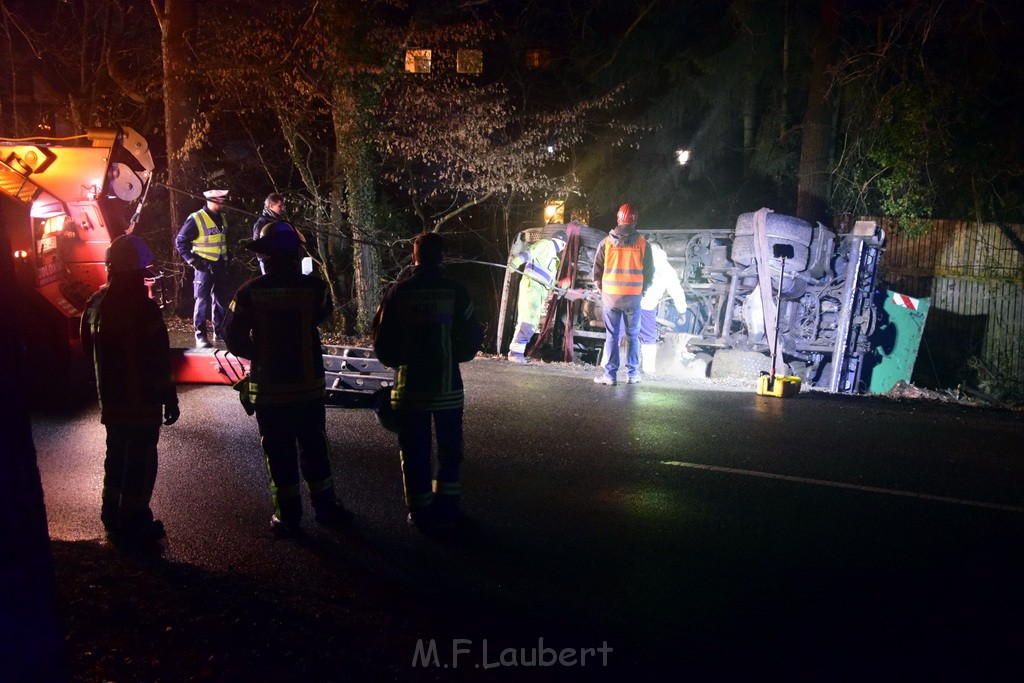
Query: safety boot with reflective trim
pixel 284 529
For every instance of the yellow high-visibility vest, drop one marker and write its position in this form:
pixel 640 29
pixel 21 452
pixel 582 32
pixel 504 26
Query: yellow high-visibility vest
pixel 210 244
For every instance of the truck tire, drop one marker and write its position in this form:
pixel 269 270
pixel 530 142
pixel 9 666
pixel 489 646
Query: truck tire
pixel 735 364
pixel 780 229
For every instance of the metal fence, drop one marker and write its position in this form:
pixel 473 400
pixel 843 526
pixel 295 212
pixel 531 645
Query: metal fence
pixel 974 275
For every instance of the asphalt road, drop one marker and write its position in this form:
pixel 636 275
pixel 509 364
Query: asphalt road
pixel 697 531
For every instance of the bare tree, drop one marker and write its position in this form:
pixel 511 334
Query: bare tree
pixel 817 140
pixel 178 21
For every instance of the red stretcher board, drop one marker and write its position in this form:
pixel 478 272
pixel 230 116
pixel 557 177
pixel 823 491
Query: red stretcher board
pixel 207 366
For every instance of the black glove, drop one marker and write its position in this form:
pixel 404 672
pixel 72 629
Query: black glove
pixel 201 265
pixel 171 413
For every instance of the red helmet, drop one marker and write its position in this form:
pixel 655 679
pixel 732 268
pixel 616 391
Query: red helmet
pixel 626 215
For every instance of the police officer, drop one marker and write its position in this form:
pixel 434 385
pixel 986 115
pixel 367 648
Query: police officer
pixel 273 321
pixel 202 243
pixel 123 332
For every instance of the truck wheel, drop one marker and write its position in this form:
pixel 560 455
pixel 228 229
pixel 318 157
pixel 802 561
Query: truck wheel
pixel 734 364
pixel 780 229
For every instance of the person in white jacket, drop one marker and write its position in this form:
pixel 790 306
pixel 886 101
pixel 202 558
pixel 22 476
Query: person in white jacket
pixel 666 281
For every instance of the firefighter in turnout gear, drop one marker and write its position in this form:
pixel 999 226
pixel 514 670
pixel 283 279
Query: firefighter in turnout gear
pixel 540 267
pixel 273 322
pixel 123 332
pixel 623 271
pixel 424 327
pixel 202 243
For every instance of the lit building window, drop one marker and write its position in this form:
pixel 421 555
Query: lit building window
pixel 539 58
pixel 469 61
pixel 417 61
pixel 554 211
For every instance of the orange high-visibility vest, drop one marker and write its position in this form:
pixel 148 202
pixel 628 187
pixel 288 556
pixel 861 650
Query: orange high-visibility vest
pixel 624 268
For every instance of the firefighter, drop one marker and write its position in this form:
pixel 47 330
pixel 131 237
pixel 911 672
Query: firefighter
pixel 273 322
pixel 202 243
pixel 666 281
pixel 424 327
pixel 540 267
pixel 623 271
pixel 123 332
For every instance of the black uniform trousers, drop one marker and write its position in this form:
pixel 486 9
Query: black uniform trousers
pixel 129 475
pixel 282 426
pixel 416 443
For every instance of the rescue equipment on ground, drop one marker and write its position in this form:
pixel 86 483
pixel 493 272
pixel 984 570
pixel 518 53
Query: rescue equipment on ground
pixel 768 384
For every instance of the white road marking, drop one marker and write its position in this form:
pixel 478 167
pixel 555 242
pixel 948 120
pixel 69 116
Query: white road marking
pixel 843 485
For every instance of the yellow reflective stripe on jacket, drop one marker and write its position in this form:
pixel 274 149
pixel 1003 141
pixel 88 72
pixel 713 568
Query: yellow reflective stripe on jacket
pixel 210 243
pixel 311 389
pixel 624 268
pixel 402 398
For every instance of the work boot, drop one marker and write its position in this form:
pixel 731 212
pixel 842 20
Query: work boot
pixel 605 379
pixel 445 511
pixel 422 518
pixel 331 514
pixel 201 341
pixel 283 528
pixel 138 536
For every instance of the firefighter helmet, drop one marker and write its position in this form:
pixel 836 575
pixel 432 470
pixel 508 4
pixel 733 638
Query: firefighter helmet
pixel 626 215
pixel 389 418
pixel 127 253
pixel 277 239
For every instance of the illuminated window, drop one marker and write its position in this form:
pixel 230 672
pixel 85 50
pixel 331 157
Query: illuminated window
pixel 417 61
pixel 469 61
pixel 554 211
pixel 539 58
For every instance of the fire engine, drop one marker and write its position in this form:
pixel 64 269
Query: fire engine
pixel 61 203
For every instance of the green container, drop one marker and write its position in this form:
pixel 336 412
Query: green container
pixel 896 340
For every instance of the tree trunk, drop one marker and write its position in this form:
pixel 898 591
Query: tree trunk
pixel 354 162
pixel 178 26
pixel 814 186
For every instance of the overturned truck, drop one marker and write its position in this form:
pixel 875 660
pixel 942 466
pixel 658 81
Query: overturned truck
pixel 738 294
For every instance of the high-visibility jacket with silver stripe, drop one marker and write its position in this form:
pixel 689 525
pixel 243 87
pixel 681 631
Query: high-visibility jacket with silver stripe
pixel 624 268
pixel 541 262
pixel 210 243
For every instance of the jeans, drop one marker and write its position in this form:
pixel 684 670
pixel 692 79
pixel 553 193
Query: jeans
pixel 622 317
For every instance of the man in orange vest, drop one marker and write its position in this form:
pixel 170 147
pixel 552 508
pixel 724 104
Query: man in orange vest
pixel 623 270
